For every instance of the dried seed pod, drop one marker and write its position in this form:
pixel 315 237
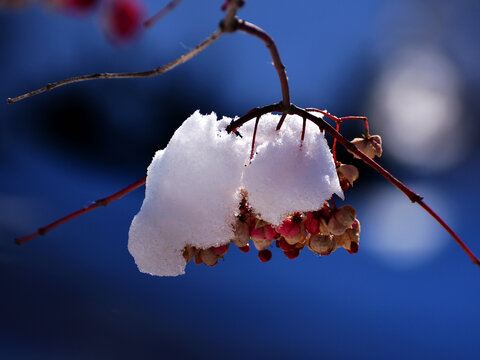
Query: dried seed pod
pixel 341 220
pixel 322 244
pixel 188 253
pixel 197 259
pixel 350 238
pixel 370 145
pixel 241 233
pixel 347 172
pixel 262 244
pixel 209 257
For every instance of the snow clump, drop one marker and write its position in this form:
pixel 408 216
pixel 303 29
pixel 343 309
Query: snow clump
pixel 194 186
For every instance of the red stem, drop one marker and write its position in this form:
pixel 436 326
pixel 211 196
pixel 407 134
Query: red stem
pixel 166 9
pixel 253 138
pixel 304 125
pixel 96 204
pixel 334 146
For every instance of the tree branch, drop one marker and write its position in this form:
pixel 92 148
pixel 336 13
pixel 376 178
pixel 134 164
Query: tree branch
pixel 96 204
pixel 254 30
pixel 142 74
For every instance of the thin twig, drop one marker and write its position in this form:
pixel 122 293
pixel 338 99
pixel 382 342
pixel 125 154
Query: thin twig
pixel 142 74
pixel 277 62
pixel 252 152
pixel 96 204
pixel 166 9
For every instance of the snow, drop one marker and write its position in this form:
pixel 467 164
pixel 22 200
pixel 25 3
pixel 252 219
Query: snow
pixel 193 185
pixel 283 178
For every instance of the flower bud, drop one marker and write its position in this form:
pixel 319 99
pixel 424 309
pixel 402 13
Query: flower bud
pixel 370 145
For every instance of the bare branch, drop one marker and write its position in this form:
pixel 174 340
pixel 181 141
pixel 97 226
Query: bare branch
pixel 254 30
pixel 96 204
pixel 142 74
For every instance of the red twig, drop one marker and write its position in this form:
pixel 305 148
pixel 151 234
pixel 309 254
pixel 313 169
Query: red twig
pixel 96 204
pixel 169 7
pixel 323 125
pixel 304 125
pixel 282 119
pixel 254 30
pixel 334 146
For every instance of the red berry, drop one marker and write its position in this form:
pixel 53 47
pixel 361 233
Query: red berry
pixel 245 248
pixel 344 184
pixel 124 18
pixel 312 223
pixel 282 244
pixel 265 255
pixel 81 5
pixel 292 254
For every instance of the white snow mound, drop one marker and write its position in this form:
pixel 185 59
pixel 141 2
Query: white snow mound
pixel 284 178
pixel 192 189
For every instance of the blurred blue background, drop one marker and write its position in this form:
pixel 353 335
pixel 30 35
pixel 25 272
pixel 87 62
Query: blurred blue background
pixel 410 292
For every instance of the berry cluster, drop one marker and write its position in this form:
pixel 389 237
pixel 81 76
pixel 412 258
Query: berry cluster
pixel 321 231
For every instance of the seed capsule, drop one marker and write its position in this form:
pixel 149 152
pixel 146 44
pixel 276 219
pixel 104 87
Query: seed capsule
pixel 341 220
pixel 322 244
pixel 370 145
pixel 208 257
